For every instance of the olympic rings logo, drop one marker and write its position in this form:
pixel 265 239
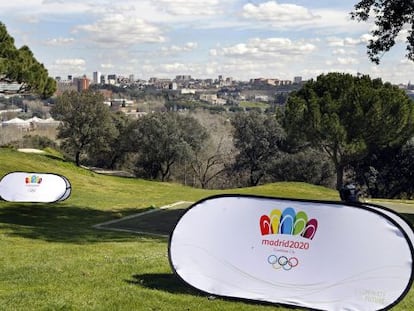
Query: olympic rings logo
pixel 283 262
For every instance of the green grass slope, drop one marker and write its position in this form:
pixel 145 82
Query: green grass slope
pixel 109 192
pixel 52 259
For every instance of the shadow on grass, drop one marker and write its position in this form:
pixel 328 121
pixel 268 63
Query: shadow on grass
pixel 73 224
pixel 159 222
pixel 60 223
pixel 172 284
pixel 165 282
pixel 410 218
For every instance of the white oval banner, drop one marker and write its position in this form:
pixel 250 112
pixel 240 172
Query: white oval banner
pixel 312 254
pixel 404 224
pixel 68 189
pixel 34 187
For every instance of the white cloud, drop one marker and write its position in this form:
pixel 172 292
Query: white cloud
pixel 187 47
pixel 347 61
pixel 204 38
pixel 339 52
pixel 70 62
pixel 348 41
pixel 173 67
pixel 295 17
pixel 343 64
pixel 213 52
pixel 76 66
pixel 259 48
pixel 59 41
pixel 52 1
pixel 190 7
pixel 38 7
pixel 30 19
pixel 107 66
pixel 402 36
pixel 276 13
pixel 122 30
pixel 408 63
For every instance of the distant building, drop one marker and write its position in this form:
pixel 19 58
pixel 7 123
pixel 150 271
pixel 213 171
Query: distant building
pixel 107 94
pixel 63 86
pixel 103 79
pixel 272 82
pixel 173 86
pixel 181 78
pixel 10 88
pixel 261 98
pixel 96 79
pixel 297 80
pixel 112 79
pixel 187 91
pixel 160 83
pixel 229 81
pixel 82 83
pixel 212 99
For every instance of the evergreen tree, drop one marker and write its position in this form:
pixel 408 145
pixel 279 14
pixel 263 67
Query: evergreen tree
pixel 20 65
pixel 348 117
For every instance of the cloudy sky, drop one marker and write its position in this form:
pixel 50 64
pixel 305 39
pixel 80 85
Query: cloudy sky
pixel 202 38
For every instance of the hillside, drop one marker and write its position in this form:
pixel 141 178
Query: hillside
pixel 52 258
pixel 109 192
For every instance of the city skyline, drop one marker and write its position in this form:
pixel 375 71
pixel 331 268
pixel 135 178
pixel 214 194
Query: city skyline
pixel 204 38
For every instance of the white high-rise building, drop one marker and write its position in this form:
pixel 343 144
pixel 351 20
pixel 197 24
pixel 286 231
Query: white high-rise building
pixel 96 77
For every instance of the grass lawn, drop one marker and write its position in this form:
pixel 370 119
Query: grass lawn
pixel 52 258
pixel 260 105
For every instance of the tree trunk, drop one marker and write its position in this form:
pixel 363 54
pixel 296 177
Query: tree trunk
pixel 339 176
pixel 77 158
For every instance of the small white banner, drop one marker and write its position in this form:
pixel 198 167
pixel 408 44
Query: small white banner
pixel 311 254
pixel 34 187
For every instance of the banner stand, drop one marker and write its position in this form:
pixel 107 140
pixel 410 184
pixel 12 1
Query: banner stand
pixel 318 255
pixel 34 187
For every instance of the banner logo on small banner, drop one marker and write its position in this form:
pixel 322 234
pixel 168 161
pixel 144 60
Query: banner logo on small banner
pixel 295 252
pixel 34 187
pixel 33 180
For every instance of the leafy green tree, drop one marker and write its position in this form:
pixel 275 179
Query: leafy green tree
pixel 310 165
pixel 348 117
pixel 258 139
pixel 20 65
pixel 390 18
pixel 112 154
pixel 388 173
pixel 86 123
pixel 162 140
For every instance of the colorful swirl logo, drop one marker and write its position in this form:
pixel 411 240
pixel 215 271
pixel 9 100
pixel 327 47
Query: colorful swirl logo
pixel 34 179
pixel 283 262
pixel 288 222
